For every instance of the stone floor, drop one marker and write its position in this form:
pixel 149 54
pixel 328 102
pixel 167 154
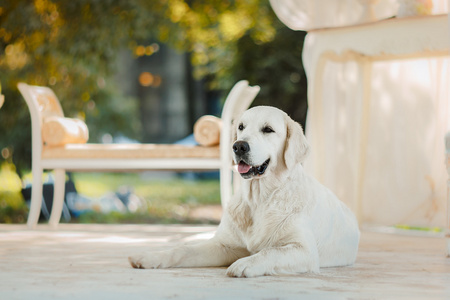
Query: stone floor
pixel 90 262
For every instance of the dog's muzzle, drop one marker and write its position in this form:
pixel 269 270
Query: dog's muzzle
pixel 248 171
pixel 241 150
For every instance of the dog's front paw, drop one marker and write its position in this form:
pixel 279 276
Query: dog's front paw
pixel 247 267
pixel 151 260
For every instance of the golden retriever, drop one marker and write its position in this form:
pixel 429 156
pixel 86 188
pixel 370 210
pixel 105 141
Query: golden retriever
pixel 282 221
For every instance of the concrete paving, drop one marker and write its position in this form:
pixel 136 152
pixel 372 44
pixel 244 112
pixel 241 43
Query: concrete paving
pixel 90 262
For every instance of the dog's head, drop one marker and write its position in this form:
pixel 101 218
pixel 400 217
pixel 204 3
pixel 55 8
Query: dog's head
pixel 266 141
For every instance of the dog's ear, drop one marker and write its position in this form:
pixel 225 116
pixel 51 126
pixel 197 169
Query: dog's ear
pixel 296 148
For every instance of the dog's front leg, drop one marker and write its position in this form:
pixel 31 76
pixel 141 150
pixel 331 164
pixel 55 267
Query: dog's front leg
pixel 291 258
pixel 211 253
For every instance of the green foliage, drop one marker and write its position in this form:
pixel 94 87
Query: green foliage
pixel 276 66
pixel 9 180
pixel 12 205
pixel 72 46
pixel 12 208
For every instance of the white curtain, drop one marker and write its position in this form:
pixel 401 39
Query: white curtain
pixel 399 176
pixel 404 179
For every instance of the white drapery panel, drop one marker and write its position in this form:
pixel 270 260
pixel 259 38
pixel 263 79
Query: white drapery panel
pixel 403 180
pixel 378 97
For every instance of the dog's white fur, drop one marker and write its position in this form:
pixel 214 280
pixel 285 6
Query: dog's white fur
pixel 281 222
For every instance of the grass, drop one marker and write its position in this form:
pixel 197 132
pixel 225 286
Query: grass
pixel 171 190
pixel 164 201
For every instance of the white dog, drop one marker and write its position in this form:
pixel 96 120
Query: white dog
pixel 282 221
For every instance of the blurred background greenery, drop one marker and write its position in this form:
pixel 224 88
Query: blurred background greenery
pixel 138 70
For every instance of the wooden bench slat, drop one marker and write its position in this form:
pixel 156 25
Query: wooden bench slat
pixel 127 151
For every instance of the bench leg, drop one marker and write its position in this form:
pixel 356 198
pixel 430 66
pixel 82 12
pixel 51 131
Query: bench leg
pixel 36 198
pixel 225 186
pixel 58 196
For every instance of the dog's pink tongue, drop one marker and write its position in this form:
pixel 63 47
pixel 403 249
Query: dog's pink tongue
pixel 243 168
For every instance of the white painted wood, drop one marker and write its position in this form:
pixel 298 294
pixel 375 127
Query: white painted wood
pixel 176 164
pixel 58 196
pixel 36 196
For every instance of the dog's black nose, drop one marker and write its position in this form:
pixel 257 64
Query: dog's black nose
pixel 240 148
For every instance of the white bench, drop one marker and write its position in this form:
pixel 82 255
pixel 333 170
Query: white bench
pixel 42 103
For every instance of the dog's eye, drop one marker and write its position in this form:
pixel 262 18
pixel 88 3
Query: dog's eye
pixel 267 129
pixel 241 127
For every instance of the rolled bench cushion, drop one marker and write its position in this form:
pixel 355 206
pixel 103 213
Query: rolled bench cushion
pixel 58 131
pixel 207 130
